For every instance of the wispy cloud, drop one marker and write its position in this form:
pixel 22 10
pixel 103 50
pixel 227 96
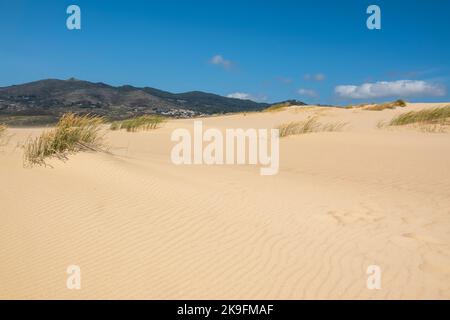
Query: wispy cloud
pixel 221 61
pixel 430 72
pixel 315 77
pixel 285 80
pixel 307 92
pixel 399 88
pixel 246 96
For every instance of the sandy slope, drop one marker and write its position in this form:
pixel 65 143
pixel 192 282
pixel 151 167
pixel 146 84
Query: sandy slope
pixel 141 227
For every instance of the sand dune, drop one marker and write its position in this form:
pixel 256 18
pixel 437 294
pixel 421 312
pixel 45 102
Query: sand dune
pixel 141 227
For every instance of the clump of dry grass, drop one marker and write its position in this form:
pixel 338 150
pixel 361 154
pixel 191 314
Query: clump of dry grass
pixel 351 106
pixel 2 129
pixel 145 122
pixel 381 124
pixel 277 107
pixel 387 105
pixel 433 128
pixel 3 140
pixel 115 126
pixel 72 134
pixel 440 115
pixel 308 126
pixel 291 128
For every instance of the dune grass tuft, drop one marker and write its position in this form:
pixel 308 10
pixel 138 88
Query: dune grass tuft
pixel 115 126
pixel 355 106
pixel 439 115
pixel 72 134
pixel 3 138
pixel 381 124
pixel 277 107
pixel 433 128
pixel 387 105
pixel 145 122
pixel 308 126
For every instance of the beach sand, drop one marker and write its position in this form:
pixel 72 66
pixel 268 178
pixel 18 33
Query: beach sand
pixel 141 227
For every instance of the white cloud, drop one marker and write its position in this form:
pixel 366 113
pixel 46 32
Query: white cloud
pixel 246 96
pixel 315 77
pixel 399 88
pixel 240 95
pixel 319 77
pixel 307 92
pixel 221 61
pixel 285 80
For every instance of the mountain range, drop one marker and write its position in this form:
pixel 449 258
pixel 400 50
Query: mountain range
pixel 53 97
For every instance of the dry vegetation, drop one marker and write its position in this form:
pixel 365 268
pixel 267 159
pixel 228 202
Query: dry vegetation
pixel 355 106
pixel 378 107
pixel 433 128
pixel 144 123
pixel 438 116
pixel 308 126
pixel 277 107
pixel 72 134
pixel 2 134
pixel 387 105
pixel 381 124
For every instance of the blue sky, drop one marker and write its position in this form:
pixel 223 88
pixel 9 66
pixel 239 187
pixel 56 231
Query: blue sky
pixel 317 51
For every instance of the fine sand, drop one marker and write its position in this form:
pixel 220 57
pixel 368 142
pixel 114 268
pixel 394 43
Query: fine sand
pixel 141 227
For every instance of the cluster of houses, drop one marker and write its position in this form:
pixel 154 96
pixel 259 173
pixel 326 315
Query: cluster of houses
pixel 181 113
